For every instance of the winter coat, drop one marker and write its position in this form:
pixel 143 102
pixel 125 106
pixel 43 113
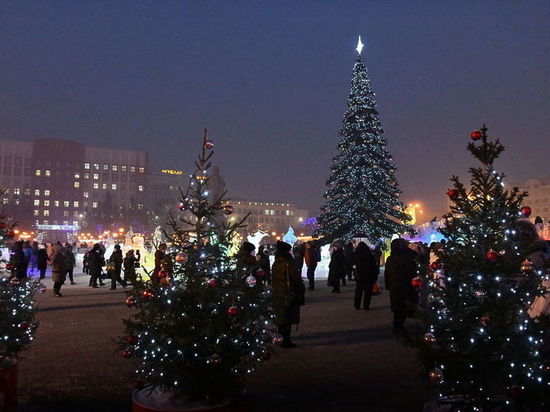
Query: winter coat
pixel 312 255
pixel 116 260
pixel 539 254
pixel 286 283
pixel 42 259
pixel 59 270
pixel 400 270
pixel 70 261
pixel 162 261
pixel 337 266
pixel 366 269
pixel 95 262
pixel 17 259
pixel 129 264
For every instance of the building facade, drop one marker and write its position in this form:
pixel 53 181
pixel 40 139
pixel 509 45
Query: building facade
pixel 539 197
pixel 57 182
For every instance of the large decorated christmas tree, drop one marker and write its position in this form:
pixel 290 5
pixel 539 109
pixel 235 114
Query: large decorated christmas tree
pixel 17 326
pixel 362 198
pixel 483 346
pixel 202 326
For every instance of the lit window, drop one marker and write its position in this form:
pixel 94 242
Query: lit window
pixel 46 212
pixel 94 205
pixel 96 185
pixel 287 212
pixel 46 203
pixel 45 222
pixel 5 200
pixel 56 203
pixel 65 203
pixel 37 192
pixel 123 168
pixel 141 170
pixel 140 188
pixel 96 176
pixel 36 202
pixel 86 175
pixel 75 222
pixel 96 166
pixel 65 222
pixel 75 203
pixel 47 173
pixel 266 212
pixel 46 192
pixel 77 175
pixel 272 212
pixel 133 169
pixel 87 166
pixel 35 212
pixel 16 201
pixel 75 214
pixel 37 172
pixel 65 213
pixel 27 192
pixel 16 191
pixel 76 185
pixel 140 206
pixel 86 195
pixel 114 168
pixel 105 167
pixel 113 186
pixel 104 186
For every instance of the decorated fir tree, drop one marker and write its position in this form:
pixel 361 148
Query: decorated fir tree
pixel 482 346
pixel 17 325
pixel 204 325
pixel 362 198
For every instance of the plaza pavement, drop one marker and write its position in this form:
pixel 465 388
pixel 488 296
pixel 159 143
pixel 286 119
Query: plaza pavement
pixel 346 360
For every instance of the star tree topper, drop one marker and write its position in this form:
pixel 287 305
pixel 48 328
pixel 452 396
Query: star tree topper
pixel 359 45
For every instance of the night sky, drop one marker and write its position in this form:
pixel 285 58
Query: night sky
pixel 270 81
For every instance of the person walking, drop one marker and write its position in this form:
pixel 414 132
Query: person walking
pixel 42 261
pixel 115 262
pixel 95 262
pixel 17 261
pixel 130 262
pixel 310 257
pixel 366 275
pixel 70 263
pixel 288 292
pixel 262 259
pixel 162 262
pixel 27 252
pixel 59 270
pixel 336 267
pixel 400 270
pixel 298 252
pixel 348 255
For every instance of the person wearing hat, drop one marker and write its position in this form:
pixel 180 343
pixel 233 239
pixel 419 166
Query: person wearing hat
pixel 288 292
pixel 116 268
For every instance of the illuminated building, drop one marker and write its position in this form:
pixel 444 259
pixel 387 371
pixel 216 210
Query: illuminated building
pixel 57 182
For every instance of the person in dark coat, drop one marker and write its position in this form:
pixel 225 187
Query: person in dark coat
pixel 366 275
pixel 17 260
pixel 400 270
pixel 298 252
pixel 162 262
pixel 95 263
pixel 42 261
pixel 311 254
pixel 70 263
pixel 336 268
pixel 130 262
pixel 348 255
pixel 288 292
pixel 59 270
pixel 262 259
pixel 115 261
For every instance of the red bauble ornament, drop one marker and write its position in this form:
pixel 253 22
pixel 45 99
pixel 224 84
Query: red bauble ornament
pixel 126 354
pixel 162 274
pixel 10 266
pixel 212 283
pixel 182 206
pixel 435 265
pixel 492 256
pixel 130 301
pixel 476 135
pixel 138 385
pixel 233 311
pixel 227 209
pixel 484 320
pixel 260 273
pixel 148 293
pixel 181 257
pixel 131 339
pixel 208 144
pixel 416 282
pixel 3 225
pixel 24 325
pixel 453 194
pixel 526 211
pixel 11 233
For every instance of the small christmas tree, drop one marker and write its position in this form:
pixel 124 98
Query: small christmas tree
pixel 17 326
pixel 206 325
pixel 482 347
pixel 363 194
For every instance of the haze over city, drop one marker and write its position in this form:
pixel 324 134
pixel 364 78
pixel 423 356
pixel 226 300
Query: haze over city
pixel 270 82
